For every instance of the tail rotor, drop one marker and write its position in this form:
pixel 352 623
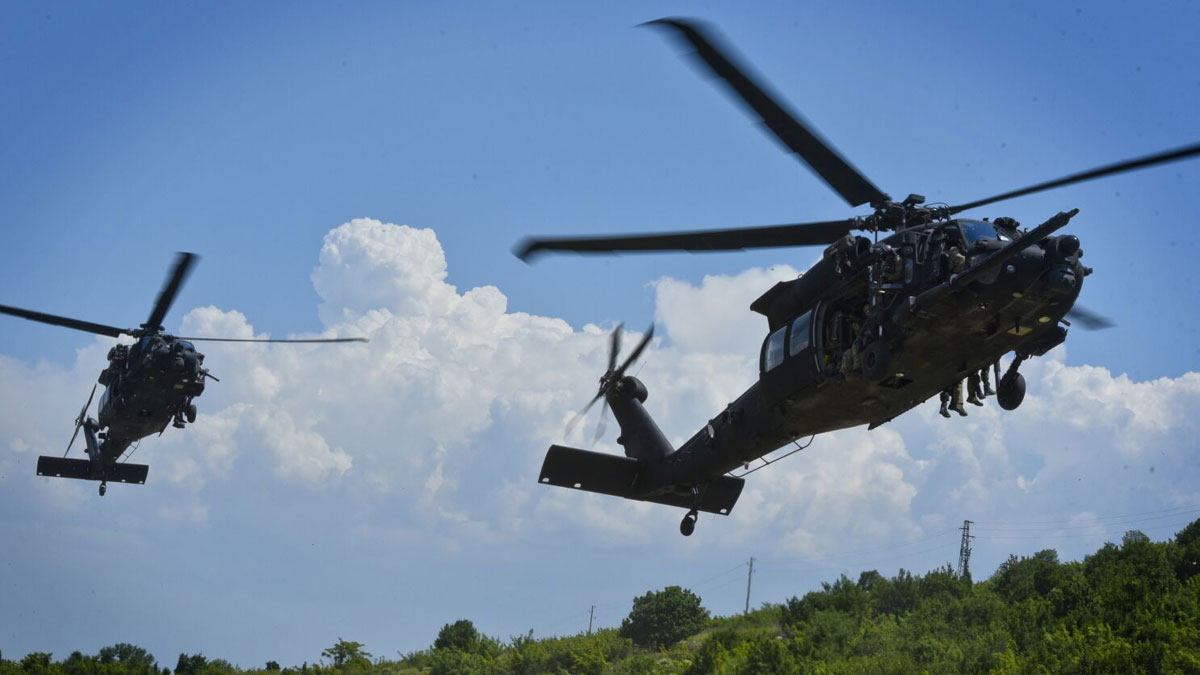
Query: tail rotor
pixel 611 378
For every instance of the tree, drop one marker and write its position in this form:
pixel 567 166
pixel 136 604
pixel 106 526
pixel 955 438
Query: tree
pixel 133 657
pixel 1187 563
pixel 272 665
pixel 347 654
pixel 768 655
pixel 662 618
pixel 190 664
pixel 36 661
pixel 460 635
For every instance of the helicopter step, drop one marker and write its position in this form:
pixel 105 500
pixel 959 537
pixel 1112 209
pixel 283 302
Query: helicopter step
pixel 61 467
pixel 614 475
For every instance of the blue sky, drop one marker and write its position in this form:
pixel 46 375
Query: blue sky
pixel 247 133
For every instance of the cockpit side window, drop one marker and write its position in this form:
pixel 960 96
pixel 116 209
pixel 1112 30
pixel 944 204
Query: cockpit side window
pixel 977 230
pixel 799 336
pixel 773 349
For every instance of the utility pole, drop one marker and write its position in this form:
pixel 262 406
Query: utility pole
pixel 964 550
pixel 749 575
pixel 591 613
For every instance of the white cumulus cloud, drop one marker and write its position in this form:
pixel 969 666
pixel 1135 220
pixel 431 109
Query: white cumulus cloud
pixel 436 429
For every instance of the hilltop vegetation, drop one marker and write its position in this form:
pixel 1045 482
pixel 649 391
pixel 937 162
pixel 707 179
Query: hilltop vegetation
pixel 1132 608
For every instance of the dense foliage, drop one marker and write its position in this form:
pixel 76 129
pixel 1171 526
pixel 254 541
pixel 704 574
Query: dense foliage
pixel 1132 608
pixel 662 618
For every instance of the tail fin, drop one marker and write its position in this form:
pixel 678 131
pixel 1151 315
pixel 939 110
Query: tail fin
pixel 614 475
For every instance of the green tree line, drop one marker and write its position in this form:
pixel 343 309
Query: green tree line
pixel 1127 608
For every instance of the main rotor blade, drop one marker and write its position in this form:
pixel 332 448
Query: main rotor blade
pixel 300 340
pixel 1089 320
pixel 183 265
pixel 733 239
pixel 87 326
pixel 787 126
pixel 1140 163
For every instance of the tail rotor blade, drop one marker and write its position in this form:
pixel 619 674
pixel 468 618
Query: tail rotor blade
pixel 637 351
pixel 583 413
pixel 79 420
pixel 614 346
pixel 83 413
pixel 602 424
pixel 77 425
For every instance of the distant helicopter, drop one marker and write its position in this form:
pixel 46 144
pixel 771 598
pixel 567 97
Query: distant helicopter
pixel 148 385
pixel 868 332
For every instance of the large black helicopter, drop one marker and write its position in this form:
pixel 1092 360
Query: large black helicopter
pixel 148 385
pixel 874 328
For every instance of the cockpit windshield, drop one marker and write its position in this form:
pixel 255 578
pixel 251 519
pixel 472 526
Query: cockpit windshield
pixel 978 230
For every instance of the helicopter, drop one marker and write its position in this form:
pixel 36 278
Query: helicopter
pixel 147 385
pixel 871 330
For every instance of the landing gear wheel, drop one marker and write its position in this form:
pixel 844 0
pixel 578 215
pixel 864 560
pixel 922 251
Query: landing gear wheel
pixel 875 360
pixel 103 487
pixel 1010 391
pixel 190 413
pixel 688 524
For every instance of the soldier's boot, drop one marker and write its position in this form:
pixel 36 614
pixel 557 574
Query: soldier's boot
pixel 987 386
pixel 945 411
pixel 973 391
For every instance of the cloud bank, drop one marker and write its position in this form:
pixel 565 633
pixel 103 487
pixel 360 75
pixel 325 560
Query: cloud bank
pixel 437 428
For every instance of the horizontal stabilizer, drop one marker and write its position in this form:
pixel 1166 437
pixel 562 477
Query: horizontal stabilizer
pixel 617 476
pixel 62 467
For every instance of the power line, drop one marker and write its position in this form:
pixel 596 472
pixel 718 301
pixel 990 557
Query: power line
pixel 874 549
pixel 1078 525
pixel 1175 510
pixel 716 576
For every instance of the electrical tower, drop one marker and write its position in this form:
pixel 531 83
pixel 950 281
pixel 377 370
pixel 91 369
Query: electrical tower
pixel 964 550
pixel 749 575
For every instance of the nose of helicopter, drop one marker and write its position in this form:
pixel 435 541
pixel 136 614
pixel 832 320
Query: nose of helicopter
pixel 1049 269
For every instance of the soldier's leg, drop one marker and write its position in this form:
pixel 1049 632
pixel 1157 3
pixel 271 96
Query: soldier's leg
pixel 945 396
pixel 973 391
pixel 986 376
pixel 956 399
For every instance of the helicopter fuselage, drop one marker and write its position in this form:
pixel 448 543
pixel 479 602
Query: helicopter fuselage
pixel 814 376
pixel 148 384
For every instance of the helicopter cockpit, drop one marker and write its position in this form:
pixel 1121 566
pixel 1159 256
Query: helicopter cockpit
pixel 975 231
